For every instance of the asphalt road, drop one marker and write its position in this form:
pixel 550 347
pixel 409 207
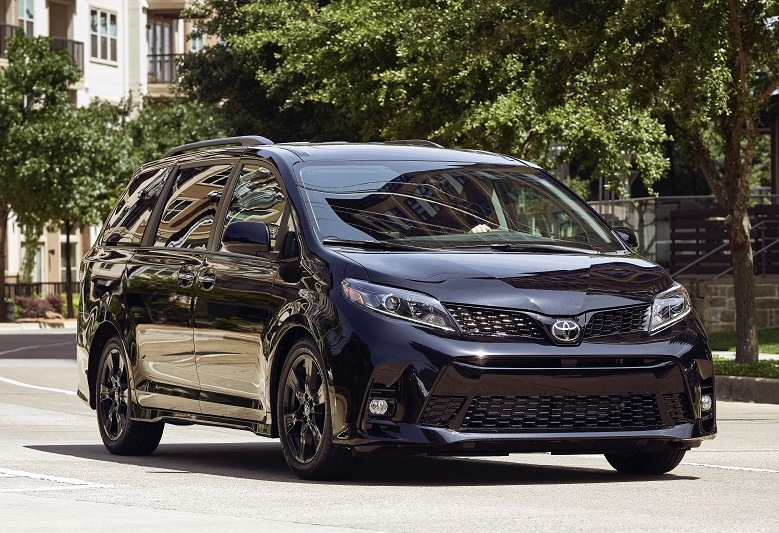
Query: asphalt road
pixel 55 475
pixel 40 344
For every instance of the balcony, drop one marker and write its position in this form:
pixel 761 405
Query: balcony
pixel 6 32
pixel 162 68
pixel 74 48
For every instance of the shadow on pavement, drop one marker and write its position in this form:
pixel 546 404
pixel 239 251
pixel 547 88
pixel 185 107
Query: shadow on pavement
pixel 263 461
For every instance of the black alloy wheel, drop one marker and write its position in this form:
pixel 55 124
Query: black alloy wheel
pixel 303 414
pixel 120 434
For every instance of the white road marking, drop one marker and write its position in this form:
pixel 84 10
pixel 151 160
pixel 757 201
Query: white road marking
pixel 27 385
pixel 36 346
pixel 739 468
pixel 69 483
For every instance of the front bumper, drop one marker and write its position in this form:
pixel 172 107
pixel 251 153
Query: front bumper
pixel 465 396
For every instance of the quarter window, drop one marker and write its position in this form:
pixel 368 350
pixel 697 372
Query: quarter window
pixel 103 28
pixel 191 207
pixel 130 217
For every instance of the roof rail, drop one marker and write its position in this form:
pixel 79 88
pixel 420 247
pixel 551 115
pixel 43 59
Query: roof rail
pixel 414 142
pixel 248 140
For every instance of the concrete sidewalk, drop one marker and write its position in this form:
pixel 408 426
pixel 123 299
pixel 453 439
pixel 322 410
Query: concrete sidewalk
pixel 66 324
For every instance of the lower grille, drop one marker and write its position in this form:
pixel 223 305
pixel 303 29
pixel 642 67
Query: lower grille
pixel 441 410
pixel 678 407
pixel 510 413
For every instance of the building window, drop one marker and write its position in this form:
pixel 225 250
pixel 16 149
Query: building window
pixel 103 30
pixel 26 16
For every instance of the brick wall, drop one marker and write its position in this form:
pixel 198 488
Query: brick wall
pixel 716 303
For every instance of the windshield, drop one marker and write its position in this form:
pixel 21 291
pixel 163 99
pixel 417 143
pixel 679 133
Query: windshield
pixel 448 205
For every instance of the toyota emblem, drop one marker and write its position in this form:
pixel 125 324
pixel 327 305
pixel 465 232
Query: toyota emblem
pixel 566 330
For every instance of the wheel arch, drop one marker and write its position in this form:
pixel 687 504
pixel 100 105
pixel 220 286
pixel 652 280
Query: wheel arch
pixel 104 332
pixel 283 346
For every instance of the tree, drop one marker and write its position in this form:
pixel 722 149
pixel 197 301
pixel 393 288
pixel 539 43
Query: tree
pixel 712 66
pixel 473 74
pixel 33 91
pixel 85 160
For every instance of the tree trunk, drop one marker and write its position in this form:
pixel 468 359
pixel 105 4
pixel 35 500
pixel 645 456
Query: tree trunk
pixel 69 273
pixel 744 283
pixel 5 211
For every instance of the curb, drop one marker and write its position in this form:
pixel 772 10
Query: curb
pixel 744 389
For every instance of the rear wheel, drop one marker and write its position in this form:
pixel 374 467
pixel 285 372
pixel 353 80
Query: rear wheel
pixel 304 419
pixel 645 463
pixel 120 434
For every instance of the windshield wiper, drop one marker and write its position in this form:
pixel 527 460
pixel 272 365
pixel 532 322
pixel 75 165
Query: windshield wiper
pixel 541 248
pixel 371 245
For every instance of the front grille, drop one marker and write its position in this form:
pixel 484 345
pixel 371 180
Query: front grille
pixel 616 321
pixel 494 322
pixel 511 413
pixel 678 407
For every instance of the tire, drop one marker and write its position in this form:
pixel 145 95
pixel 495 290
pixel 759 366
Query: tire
pixel 645 463
pixel 120 434
pixel 304 418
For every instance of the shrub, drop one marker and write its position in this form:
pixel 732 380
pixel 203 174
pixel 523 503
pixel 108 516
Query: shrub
pixel 36 307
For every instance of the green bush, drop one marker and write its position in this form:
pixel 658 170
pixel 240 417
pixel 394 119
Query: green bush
pixel 761 369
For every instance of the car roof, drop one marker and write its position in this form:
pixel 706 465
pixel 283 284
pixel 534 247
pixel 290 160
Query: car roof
pixel 390 152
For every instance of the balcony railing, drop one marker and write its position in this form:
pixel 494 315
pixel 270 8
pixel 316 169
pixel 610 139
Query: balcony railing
pixel 6 32
pixel 74 48
pixel 162 67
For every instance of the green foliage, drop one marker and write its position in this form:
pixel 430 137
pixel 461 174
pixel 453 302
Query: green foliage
pixel 762 369
pixel 768 340
pixel 157 126
pixel 496 75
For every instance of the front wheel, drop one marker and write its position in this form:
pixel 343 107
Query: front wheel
pixel 121 435
pixel 645 463
pixel 304 419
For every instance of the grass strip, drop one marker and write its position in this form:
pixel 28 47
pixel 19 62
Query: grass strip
pixel 767 339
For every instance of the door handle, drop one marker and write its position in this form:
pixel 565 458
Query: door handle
pixel 186 277
pixel 207 279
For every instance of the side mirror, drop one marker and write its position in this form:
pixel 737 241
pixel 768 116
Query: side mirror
pixel 627 235
pixel 247 238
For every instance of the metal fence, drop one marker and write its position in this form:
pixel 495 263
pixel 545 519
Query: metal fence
pixel 162 67
pixel 74 48
pixel 6 32
pixel 38 289
pixel 676 231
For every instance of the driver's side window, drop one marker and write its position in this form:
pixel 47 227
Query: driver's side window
pixel 257 197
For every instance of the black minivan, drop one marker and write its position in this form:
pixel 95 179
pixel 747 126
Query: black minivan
pixel 348 298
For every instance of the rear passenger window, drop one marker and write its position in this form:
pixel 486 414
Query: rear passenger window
pixel 130 217
pixel 191 207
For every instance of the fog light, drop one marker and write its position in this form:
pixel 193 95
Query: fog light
pixel 707 402
pixel 378 407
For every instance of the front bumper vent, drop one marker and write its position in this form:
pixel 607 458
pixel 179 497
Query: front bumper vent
pixel 512 413
pixel 678 406
pixel 441 410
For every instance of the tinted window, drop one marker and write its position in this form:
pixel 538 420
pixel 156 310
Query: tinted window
pixel 446 205
pixel 129 218
pixel 257 197
pixel 189 212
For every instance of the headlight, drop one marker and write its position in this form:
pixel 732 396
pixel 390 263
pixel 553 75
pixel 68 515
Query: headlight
pixel 399 303
pixel 669 307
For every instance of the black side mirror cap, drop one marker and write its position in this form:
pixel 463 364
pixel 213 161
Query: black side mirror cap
pixel 247 238
pixel 627 235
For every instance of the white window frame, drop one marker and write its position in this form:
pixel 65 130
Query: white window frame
pixel 27 22
pixel 104 47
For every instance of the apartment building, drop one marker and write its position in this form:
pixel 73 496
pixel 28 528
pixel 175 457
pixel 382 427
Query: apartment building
pixel 122 47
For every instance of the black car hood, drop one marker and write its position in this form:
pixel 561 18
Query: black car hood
pixel 550 284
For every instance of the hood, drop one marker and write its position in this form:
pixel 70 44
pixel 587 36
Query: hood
pixel 550 284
